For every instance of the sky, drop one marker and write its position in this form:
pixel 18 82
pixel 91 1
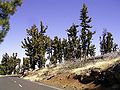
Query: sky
pixel 59 15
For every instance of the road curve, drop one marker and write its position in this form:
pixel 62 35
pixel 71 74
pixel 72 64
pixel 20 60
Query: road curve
pixel 15 83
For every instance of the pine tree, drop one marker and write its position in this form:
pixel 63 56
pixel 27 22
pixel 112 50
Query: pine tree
pixel 30 51
pixel 78 52
pixel 7 8
pixel 103 43
pixel 55 47
pixel 9 63
pixel 92 50
pixel 49 49
pixel 4 63
pixel 65 48
pixel 36 44
pixel 60 53
pixel 115 47
pixel 106 43
pixel 86 34
pixel 26 64
pixel 72 41
pixel 109 42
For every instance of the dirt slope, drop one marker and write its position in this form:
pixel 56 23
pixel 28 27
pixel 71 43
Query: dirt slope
pixel 72 76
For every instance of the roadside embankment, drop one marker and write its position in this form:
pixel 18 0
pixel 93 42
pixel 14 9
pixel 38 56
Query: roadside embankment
pixel 95 75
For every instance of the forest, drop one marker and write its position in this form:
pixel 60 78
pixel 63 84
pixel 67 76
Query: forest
pixel 77 46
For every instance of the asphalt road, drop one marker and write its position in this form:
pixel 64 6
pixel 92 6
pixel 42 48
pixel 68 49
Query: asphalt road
pixel 15 83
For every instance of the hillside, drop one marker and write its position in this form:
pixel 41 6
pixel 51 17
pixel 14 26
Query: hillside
pixel 97 74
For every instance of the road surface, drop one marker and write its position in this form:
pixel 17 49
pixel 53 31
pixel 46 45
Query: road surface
pixel 15 83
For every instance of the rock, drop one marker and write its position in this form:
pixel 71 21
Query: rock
pixel 109 79
pixel 116 71
pixel 25 73
pixel 117 68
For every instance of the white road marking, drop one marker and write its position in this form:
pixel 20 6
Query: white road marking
pixel 15 81
pixel 20 85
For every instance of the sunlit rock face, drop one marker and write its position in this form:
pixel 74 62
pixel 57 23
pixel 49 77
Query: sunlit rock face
pixel 108 79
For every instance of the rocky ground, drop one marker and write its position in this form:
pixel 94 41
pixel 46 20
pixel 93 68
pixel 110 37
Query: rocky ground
pixel 95 75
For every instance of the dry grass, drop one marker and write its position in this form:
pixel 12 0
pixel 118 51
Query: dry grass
pixel 59 76
pixel 102 65
pixel 73 68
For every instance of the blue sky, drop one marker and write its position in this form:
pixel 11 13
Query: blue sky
pixel 59 16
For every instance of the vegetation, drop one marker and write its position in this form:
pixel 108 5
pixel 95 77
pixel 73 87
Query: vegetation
pixel 9 63
pixel 35 45
pixel 86 34
pixel 72 41
pixel 78 45
pixel 26 64
pixel 106 43
pixel 7 8
pixel 56 45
